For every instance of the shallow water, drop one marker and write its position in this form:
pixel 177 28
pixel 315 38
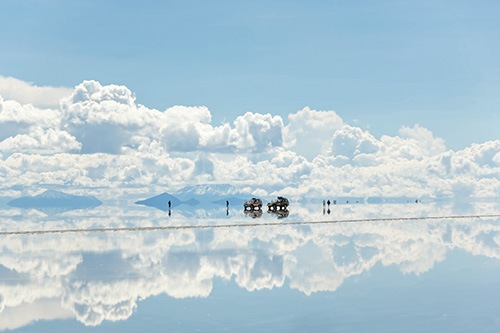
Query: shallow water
pixel 265 274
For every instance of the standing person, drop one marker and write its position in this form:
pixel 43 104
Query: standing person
pixel 169 204
pixel 328 202
pixel 324 207
pixel 227 204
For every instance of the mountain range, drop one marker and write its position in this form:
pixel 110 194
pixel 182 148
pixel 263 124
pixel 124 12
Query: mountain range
pixel 199 195
pixel 52 201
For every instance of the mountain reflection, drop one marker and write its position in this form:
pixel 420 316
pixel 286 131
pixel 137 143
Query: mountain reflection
pixel 101 276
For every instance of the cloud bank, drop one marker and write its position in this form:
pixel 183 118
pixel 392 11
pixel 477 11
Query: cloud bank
pixel 98 136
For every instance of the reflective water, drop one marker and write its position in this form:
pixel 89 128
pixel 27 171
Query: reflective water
pixel 256 274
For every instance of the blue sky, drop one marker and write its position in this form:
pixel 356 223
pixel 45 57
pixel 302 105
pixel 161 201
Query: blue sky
pixel 303 99
pixel 379 64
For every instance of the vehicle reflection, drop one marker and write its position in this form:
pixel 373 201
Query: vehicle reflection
pixel 280 214
pixel 253 213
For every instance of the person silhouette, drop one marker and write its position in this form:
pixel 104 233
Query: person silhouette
pixel 169 204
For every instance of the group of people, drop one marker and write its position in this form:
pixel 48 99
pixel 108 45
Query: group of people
pixel 328 203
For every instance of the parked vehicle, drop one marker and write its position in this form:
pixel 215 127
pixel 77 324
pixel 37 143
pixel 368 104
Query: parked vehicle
pixel 281 203
pixel 253 204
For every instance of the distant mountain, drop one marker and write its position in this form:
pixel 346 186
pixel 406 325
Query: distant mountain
pixel 203 189
pixel 191 202
pixel 55 201
pixel 199 195
pixel 233 200
pixel 212 193
pixel 160 201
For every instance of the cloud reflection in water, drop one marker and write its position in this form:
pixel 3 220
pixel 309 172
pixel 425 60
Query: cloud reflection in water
pixel 102 276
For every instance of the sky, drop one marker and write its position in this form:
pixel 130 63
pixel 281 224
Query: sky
pixel 383 64
pixel 250 78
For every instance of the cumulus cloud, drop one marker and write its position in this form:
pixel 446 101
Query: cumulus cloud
pixel 29 93
pixel 352 141
pixel 41 140
pixel 310 132
pixel 413 143
pixel 426 141
pixel 107 119
pixel 13 112
pixel 258 132
pixel 25 128
pixel 104 138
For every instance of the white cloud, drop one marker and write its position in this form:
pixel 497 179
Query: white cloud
pixel 351 141
pixel 107 119
pixel 426 141
pixel 13 112
pixel 25 128
pixel 101 137
pixel 28 93
pixel 310 132
pixel 41 140
pixel 257 132
pixel 27 313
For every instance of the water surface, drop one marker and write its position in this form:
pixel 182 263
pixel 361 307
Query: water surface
pixel 265 274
